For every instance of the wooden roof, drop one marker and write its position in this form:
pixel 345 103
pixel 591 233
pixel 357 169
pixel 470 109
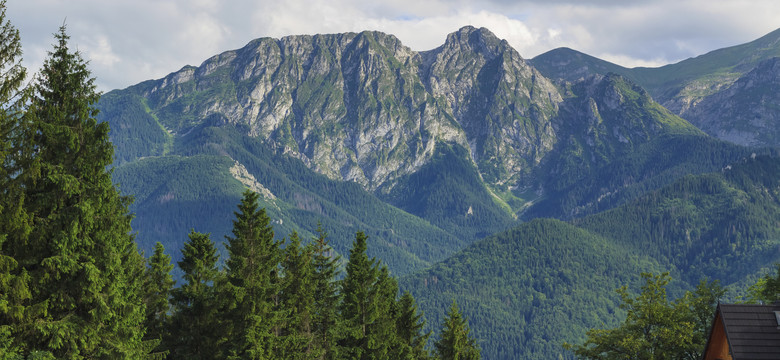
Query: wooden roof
pixel 752 331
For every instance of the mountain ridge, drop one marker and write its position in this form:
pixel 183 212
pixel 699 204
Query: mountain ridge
pixel 681 87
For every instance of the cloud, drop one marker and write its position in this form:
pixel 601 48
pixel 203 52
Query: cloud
pixel 128 41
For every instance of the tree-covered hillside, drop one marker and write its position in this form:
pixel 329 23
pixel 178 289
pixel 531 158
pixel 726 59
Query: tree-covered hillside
pixel 529 289
pixel 195 189
pixel 542 283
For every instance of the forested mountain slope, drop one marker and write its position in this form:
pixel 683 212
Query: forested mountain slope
pixel 426 152
pixel 542 283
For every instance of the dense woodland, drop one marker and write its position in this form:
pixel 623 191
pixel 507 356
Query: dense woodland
pixel 73 284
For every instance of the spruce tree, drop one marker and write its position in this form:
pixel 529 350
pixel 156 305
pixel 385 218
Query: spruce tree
pixel 253 282
pixel 158 284
pixel 410 326
pixel 14 222
pixel 78 254
pixel 455 343
pixel 193 331
pixel 368 307
pixel 326 296
pixel 297 300
pixel 383 333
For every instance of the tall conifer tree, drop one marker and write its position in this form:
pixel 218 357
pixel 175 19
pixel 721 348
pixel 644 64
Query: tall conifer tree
pixel 193 327
pixel 297 300
pixel 158 284
pixel 455 342
pixel 78 252
pixel 326 296
pixel 410 326
pixel 253 282
pixel 14 223
pixel 368 307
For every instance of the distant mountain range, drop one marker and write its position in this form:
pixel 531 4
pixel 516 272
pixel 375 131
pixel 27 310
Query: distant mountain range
pixel 642 169
pixel 729 93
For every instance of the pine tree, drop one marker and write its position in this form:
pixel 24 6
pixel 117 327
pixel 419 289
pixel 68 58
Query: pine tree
pixel 14 222
pixel 326 296
pixel 358 308
pixel 297 300
pixel 455 343
pixel 78 250
pixel 410 326
pixel 383 333
pixel 253 282
pixel 192 333
pixel 158 284
pixel 368 307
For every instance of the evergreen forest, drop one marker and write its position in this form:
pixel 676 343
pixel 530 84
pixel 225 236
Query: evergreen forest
pixel 73 284
pixel 341 196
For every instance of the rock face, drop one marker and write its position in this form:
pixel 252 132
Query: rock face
pixel 747 112
pixel 730 93
pixel 367 109
pixel 503 105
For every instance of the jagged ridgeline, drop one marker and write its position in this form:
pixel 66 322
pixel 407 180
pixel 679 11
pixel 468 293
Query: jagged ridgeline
pixel 429 152
pixel 730 93
pixel 351 109
pixel 425 151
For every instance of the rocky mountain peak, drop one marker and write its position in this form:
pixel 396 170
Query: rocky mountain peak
pixel 745 112
pixel 477 40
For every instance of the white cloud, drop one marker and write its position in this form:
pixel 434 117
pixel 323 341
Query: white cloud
pixel 129 41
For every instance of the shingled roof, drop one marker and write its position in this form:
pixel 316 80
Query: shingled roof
pixel 752 331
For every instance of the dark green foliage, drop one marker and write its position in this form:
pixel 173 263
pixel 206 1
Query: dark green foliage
pixel 655 327
pixel 410 326
pixel 15 139
pixel 326 296
pixel 297 302
pixel 158 284
pixel 650 166
pixel 449 192
pixel 529 289
pixel 699 224
pixel 253 283
pixel 358 308
pixel 141 135
pixel 78 253
pixel 455 342
pixel 367 310
pixel 195 304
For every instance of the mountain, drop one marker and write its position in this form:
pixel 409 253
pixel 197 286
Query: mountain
pixel 684 86
pixel 431 152
pixel 199 187
pixel 450 145
pixel 531 288
pixel 746 112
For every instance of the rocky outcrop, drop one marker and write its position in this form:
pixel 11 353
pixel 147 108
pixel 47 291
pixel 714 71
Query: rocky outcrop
pixel 502 103
pixel 365 108
pixel 747 112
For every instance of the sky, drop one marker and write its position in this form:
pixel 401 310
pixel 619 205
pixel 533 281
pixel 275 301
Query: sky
pixel 129 41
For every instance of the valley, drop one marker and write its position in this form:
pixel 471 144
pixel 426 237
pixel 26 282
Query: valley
pixel 526 189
